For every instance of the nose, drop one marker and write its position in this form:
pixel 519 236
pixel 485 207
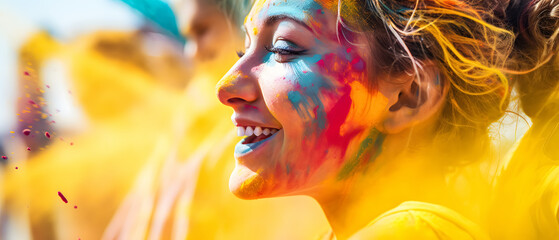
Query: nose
pixel 236 89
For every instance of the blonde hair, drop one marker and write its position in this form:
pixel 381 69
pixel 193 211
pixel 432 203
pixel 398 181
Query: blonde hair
pixel 463 37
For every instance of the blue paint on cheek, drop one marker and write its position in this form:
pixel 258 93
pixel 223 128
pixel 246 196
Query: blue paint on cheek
pixel 311 84
pixel 294 97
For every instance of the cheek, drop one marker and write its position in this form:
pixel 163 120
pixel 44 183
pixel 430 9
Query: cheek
pixel 323 97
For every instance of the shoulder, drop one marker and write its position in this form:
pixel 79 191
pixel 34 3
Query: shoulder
pixel 420 220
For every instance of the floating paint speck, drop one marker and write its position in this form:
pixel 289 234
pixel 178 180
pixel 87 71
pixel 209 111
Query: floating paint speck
pixel 26 73
pixel 72 144
pixel 62 197
pixel 28 149
pixel 26 132
pixel 16 168
pixel 75 206
pixel 47 134
pixel 48 86
pixel 4 157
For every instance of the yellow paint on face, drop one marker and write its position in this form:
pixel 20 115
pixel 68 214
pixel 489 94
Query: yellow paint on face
pixel 369 111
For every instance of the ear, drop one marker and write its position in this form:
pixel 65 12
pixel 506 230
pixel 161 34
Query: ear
pixel 415 99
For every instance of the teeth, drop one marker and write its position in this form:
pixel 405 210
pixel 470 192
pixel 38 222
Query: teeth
pixel 240 131
pixel 249 131
pixel 257 131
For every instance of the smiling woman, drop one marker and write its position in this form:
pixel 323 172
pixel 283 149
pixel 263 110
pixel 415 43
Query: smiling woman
pixel 357 103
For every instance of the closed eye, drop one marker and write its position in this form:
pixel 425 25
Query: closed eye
pixel 283 51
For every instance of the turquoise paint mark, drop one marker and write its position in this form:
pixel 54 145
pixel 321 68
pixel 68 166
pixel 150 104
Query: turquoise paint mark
pixel 294 97
pixel 371 144
pixel 307 99
pixel 297 9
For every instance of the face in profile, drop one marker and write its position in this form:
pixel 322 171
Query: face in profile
pixel 301 100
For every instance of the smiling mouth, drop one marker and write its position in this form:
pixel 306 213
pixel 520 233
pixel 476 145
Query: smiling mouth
pixel 255 134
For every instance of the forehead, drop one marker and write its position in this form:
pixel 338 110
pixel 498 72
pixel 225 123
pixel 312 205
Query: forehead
pixel 308 11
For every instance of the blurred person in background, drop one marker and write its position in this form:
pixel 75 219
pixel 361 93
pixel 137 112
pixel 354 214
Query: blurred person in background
pixel 155 141
pixel 126 84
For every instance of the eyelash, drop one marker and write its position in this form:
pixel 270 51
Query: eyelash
pixel 282 51
pixel 279 51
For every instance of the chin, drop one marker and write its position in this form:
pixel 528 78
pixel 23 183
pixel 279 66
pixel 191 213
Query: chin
pixel 246 184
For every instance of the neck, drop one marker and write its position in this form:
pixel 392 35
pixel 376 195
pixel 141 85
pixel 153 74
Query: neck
pixel 395 176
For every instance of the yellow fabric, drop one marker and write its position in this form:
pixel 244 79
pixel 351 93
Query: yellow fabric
pixel 420 220
pixel 526 198
pixel 127 111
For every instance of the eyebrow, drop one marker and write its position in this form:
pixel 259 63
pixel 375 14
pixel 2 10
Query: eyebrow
pixel 271 20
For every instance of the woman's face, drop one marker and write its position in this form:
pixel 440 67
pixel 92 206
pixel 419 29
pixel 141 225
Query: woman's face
pixel 300 97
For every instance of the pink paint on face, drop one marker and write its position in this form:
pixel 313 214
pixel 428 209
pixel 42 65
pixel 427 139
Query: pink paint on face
pixel 304 83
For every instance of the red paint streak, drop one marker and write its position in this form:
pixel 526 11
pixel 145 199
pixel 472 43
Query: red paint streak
pixel 251 107
pixel 4 157
pixel 32 102
pixel 62 197
pixel 47 134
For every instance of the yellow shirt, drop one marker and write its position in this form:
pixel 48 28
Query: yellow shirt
pixel 420 220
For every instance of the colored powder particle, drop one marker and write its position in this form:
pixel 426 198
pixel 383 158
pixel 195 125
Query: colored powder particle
pixel 26 73
pixel 28 149
pixel 48 86
pixel 26 132
pixel 72 144
pixel 62 197
pixel 47 134
pixel 75 206
pixel 16 168
pixel 4 157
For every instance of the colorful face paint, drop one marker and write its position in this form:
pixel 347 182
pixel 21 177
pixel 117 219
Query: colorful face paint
pixel 303 94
